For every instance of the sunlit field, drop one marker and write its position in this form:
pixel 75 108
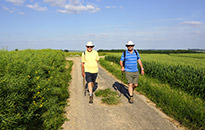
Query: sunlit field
pixel 175 82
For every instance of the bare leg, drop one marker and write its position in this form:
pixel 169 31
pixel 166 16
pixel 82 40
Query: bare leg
pixel 90 87
pixel 130 89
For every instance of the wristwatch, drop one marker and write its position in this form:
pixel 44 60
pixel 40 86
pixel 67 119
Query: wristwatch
pixel 142 68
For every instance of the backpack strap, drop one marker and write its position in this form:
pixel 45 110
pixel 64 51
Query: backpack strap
pixel 84 53
pixel 124 58
pixel 125 55
pixel 135 51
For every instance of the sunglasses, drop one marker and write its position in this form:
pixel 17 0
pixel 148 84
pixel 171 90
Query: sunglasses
pixel 90 46
pixel 129 45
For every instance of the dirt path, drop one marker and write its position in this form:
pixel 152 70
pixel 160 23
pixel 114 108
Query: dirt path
pixel 97 116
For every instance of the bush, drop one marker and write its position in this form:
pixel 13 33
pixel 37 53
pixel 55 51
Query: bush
pixel 33 89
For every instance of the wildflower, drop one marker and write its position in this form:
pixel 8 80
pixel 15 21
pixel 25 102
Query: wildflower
pixel 41 105
pixel 38 86
pixel 37 77
pixel 34 97
pixel 38 92
pixel 29 76
pixel 34 102
pixel 36 72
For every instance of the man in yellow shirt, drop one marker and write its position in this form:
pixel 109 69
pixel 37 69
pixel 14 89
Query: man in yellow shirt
pixel 90 60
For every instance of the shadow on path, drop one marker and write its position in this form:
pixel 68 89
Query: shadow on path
pixel 121 88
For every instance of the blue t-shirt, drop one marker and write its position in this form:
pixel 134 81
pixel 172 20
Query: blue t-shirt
pixel 130 60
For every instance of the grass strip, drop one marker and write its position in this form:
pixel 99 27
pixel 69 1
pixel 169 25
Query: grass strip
pixel 108 96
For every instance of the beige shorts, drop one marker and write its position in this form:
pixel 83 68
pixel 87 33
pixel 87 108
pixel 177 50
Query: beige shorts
pixel 132 77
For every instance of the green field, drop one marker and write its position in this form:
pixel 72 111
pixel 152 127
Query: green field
pixel 33 89
pixel 196 60
pixel 181 71
pixel 175 82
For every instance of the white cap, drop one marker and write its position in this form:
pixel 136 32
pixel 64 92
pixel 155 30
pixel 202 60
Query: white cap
pixel 130 43
pixel 90 44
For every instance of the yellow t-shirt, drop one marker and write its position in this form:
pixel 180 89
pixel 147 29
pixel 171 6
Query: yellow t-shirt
pixel 90 59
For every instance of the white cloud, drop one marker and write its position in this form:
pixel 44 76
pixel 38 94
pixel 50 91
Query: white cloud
pixel 37 7
pixel 16 2
pixel 8 9
pixel 74 6
pixel 60 3
pixel 69 8
pixel 191 23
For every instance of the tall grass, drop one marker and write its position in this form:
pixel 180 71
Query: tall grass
pixel 188 110
pixel 33 89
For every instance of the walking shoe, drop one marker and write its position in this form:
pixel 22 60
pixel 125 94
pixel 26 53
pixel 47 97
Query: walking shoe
pixel 131 100
pixel 91 99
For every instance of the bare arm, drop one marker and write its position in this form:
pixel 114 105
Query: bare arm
pixel 83 72
pixel 122 67
pixel 142 69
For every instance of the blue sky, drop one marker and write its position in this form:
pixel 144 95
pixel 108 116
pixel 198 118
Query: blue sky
pixel 69 24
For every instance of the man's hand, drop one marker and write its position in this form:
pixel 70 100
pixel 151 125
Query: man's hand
pixel 83 74
pixel 142 71
pixel 123 69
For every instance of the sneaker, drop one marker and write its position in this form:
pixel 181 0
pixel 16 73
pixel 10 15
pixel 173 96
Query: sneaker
pixel 91 99
pixel 131 100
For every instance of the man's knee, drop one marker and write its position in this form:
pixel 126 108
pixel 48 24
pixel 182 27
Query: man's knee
pixel 90 83
pixel 130 84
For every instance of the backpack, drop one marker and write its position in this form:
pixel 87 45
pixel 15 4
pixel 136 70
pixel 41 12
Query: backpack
pixel 125 55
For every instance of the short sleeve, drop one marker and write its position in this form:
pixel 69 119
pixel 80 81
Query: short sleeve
pixel 97 56
pixel 138 56
pixel 122 57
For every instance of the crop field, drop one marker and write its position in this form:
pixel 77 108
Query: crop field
pixel 33 89
pixel 183 71
pixel 175 82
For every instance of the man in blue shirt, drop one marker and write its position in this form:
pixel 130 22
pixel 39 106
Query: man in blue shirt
pixel 130 58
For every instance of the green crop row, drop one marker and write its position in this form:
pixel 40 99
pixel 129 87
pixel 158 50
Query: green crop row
pixel 186 109
pixel 196 60
pixel 187 78
pixel 33 89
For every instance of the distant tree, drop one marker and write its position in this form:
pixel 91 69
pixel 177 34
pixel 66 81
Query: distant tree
pixel 66 50
pixel 16 49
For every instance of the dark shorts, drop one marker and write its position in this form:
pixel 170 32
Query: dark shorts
pixel 132 77
pixel 90 77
